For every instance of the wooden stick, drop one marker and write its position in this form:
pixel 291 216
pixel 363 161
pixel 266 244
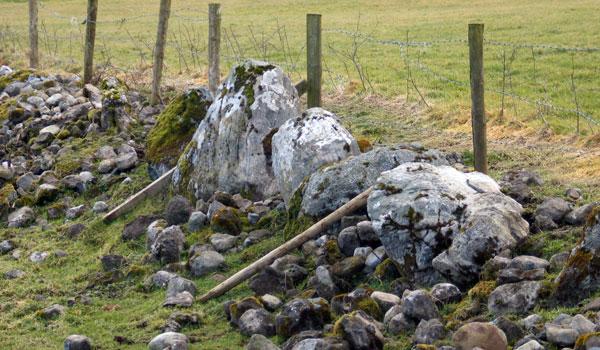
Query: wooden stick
pixel 90 41
pixel 214 44
pixel 34 55
pixel 314 57
pixel 356 203
pixel 149 190
pixel 301 87
pixel 477 97
pixel 159 53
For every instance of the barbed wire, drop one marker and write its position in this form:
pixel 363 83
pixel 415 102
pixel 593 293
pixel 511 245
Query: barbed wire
pixel 541 46
pixel 469 137
pixel 13 6
pixel 395 42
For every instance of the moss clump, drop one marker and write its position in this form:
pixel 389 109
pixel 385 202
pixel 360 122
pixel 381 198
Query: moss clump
pixel 63 134
pixel 473 305
pixel 297 223
pixel 20 75
pixel 274 220
pixel 387 270
pixel 176 126
pixel 246 78
pixel 368 305
pixel 7 107
pixel 580 343
pixel 226 220
pixel 66 167
pixel 138 271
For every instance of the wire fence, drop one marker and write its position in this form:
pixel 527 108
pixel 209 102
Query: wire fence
pixel 431 70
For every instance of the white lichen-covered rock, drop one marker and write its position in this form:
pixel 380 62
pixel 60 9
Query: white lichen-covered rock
pixel 231 149
pixel 304 144
pixel 437 221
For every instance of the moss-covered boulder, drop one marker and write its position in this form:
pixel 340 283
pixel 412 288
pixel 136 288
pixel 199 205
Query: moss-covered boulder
pixel 20 75
pixel 174 129
pixel 226 220
pixel 231 149
pixel 581 275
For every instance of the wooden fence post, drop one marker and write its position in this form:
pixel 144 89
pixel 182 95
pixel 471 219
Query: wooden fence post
pixel 313 58
pixel 477 97
pixel 159 50
pixel 214 43
pixel 34 55
pixel 90 40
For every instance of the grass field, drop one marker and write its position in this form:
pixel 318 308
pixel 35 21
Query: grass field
pixel 275 31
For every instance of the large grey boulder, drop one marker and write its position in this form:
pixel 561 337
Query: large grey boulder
pixel 437 221
pixel 168 245
pixel 333 186
pixel 304 144
pixel 21 217
pixel 169 340
pixel 231 149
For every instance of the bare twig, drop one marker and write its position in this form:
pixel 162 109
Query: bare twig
pixel 537 91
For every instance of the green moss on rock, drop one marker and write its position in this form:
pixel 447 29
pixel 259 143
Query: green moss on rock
pixel 20 75
pixel 176 126
pixel 226 220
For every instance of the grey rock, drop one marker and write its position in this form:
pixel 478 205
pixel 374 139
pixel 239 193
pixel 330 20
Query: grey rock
pixel 477 335
pixel 46 193
pixel 400 323
pixel 60 253
pixel 361 331
pixel 140 226
pixel 329 343
pixel 395 310
pixel 446 292
pixel 555 209
pixel 516 298
pixel 580 215
pixel 25 181
pixel 197 221
pixel 270 302
pixel 563 336
pixel 367 234
pixel 300 315
pixel 169 340
pixel 88 177
pixel 168 245
pixel 365 251
pixel 71 181
pixel 530 321
pixel 419 305
pixel 428 332
pixel 205 263
pixel 107 165
pixel 100 207
pixel 38 257
pixel 53 311
pixel 527 262
pixel 306 143
pixel 14 274
pixel 21 218
pixel 222 242
pixel 126 161
pixel 257 321
pixel 385 300
pixel 75 212
pixel 582 325
pixel 333 186
pixel 6 246
pixel 515 275
pixel 260 342
pixel 268 280
pixel 178 210
pixel 177 285
pixel 348 240
pixel 162 278
pixel 531 345
pixel 375 258
pixel 5 70
pixel 78 342
pixel 183 299
pixel 573 193
pixel 235 136
pixel 325 283
pixel 113 261
pixel 474 221
pixel 527 177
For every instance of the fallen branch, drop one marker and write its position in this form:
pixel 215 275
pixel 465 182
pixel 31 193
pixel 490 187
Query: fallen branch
pixel 132 201
pixel 249 271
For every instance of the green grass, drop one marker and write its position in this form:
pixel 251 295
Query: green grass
pixel 275 31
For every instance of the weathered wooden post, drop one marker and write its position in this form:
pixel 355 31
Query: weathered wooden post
pixel 313 58
pixel 477 97
pixel 34 55
pixel 90 40
pixel 159 53
pixel 214 43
